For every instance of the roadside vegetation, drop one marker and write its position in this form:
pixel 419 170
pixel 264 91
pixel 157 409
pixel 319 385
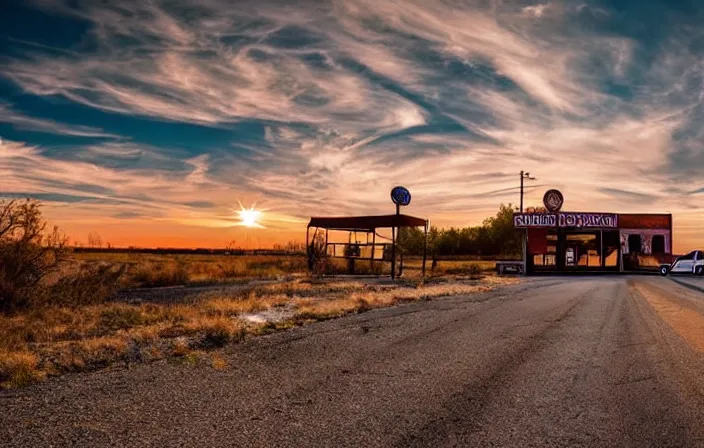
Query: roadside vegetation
pixel 59 312
pixel 494 238
pixel 153 270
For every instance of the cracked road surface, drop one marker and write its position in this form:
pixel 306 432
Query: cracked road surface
pixel 589 361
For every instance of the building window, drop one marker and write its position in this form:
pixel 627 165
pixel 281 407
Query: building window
pixel 689 256
pixel 611 246
pixel 582 249
pixel 658 244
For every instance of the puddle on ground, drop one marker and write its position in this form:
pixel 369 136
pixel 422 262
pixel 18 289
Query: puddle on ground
pixel 273 315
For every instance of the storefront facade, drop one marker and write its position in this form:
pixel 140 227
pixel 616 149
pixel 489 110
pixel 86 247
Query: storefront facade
pixel 557 241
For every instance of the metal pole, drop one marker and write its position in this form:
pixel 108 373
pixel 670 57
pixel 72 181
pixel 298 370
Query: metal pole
pixel 521 191
pixel 308 248
pixel 371 263
pixel 525 251
pixel 393 245
pixel 393 253
pixel 425 249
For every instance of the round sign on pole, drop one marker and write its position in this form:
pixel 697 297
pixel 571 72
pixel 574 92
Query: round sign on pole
pixel 553 200
pixel 400 196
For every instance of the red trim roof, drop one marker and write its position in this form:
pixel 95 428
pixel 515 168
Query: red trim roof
pixel 644 221
pixel 366 223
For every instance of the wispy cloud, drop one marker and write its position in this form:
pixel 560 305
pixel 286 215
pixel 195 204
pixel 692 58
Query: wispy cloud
pixel 27 123
pixel 352 97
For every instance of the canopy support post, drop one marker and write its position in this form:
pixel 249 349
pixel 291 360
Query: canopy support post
pixel 393 253
pixel 425 250
pixel 371 262
pixel 309 250
pixel 393 245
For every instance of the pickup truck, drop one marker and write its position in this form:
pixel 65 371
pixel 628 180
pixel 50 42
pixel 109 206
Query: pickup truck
pixel 692 263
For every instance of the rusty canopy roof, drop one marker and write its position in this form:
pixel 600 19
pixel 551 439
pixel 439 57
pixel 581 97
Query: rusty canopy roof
pixel 366 223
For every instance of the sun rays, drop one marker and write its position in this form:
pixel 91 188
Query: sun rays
pixel 249 217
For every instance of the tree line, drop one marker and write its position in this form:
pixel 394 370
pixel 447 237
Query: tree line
pixel 496 236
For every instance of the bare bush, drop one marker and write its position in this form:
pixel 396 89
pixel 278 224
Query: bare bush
pixel 28 253
pixel 94 240
pixel 91 285
pixel 317 256
pixel 475 271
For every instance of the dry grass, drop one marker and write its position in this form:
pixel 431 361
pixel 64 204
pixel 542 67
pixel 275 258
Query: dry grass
pixel 412 267
pixel 18 369
pixel 217 362
pixel 150 270
pixel 308 309
pixel 56 340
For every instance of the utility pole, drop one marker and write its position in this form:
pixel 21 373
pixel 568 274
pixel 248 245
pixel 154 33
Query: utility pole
pixel 521 191
pixel 524 241
pixel 528 177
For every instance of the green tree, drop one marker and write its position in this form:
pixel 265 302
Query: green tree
pixel 495 236
pixel 505 239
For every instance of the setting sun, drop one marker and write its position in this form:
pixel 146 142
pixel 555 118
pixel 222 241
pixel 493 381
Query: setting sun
pixel 249 217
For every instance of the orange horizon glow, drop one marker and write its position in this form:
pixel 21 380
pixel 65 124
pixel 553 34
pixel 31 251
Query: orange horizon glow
pixel 149 234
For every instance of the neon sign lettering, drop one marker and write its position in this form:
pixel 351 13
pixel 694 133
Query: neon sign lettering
pixel 599 220
pixel 587 220
pixel 534 220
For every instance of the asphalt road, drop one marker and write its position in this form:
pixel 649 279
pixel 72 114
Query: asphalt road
pixel 591 361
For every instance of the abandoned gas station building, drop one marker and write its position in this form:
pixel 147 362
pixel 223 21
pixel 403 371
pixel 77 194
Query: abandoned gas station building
pixel 557 241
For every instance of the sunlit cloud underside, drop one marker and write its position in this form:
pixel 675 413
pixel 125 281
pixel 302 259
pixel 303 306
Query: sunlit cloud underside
pixel 150 122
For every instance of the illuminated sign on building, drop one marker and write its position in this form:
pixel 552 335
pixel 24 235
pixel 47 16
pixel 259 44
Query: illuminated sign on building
pixel 534 220
pixel 597 220
pixel 588 220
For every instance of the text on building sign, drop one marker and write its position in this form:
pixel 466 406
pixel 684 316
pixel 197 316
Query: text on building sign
pixel 535 220
pixel 599 220
pixel 587 220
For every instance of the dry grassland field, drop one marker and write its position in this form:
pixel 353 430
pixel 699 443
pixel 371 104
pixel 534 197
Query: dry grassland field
pixel 181 308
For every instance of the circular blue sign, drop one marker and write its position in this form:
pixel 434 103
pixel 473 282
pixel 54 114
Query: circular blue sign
pixel 400 196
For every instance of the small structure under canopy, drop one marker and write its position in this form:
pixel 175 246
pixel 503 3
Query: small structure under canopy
pixel 369 250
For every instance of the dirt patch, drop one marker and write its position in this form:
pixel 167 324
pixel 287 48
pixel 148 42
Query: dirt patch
pixel 686 322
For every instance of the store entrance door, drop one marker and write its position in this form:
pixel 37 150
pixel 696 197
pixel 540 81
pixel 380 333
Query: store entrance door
pixel 583 251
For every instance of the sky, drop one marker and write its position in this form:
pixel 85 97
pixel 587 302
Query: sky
pixel 150 122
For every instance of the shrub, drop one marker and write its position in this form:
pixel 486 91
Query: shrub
pixel 121 317
pixel 18 369
pixel 218 362
pixel 180 347
pixel 317 256
pixel 220 331
pixel 475 270
pixel 91 285
pixel 28 254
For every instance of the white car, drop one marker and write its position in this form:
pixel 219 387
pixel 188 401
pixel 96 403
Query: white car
pixel 692 263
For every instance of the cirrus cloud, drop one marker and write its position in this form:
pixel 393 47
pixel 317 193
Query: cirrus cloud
pixel 324 106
